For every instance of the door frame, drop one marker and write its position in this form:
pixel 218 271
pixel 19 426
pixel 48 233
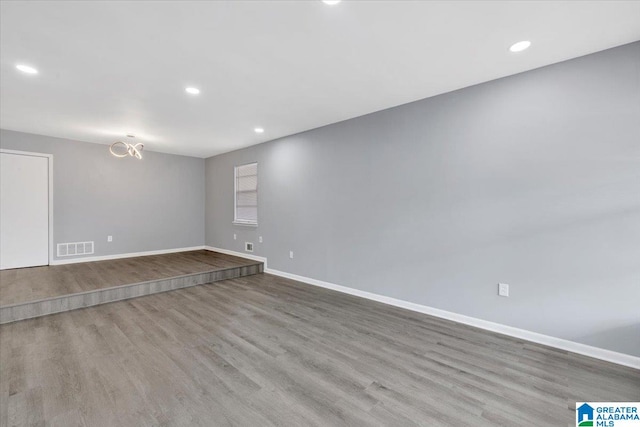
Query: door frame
pixel 49 158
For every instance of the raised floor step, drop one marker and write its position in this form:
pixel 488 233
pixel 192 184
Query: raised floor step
pixel 39 291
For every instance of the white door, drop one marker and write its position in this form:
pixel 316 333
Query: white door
pixel 24 210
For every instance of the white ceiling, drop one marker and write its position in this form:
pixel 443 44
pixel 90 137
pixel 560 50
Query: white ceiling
pixel 111 68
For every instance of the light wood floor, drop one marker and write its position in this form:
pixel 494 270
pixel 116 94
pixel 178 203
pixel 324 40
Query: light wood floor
pixel 29 284
pixel 262 350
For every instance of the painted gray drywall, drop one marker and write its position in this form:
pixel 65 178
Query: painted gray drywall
pixel 156 203
pixel 532 180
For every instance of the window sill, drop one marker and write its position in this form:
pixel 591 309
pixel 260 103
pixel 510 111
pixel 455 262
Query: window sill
pixel 246 224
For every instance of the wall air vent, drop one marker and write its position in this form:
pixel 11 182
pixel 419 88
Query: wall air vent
pixel 78 248
pixel 248 246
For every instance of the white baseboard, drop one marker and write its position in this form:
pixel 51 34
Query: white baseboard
pixel 118 256
pixel 238 254
pixel 583 349
pixel 574 347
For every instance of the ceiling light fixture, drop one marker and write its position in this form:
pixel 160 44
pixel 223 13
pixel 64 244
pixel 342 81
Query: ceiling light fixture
pixel 331 2
pixel 124 149
pixel 520 46
pixel 258 130
pixel 192 90
pixel 26 69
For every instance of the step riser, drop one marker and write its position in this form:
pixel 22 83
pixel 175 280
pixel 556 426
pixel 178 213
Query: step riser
pixel 29 310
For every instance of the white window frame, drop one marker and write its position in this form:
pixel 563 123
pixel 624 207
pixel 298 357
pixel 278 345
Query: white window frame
pixel 236 221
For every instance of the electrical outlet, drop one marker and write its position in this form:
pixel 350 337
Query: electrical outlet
pixel 109 238
pixel 260 239
pixel 291 254
pixel 235 237
pixel 503 289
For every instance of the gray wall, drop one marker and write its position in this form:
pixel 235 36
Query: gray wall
pixel 153 204
pixel 532 180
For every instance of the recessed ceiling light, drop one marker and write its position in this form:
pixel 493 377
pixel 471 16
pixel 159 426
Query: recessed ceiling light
pixel 192 90
pixel 258 130
pixel 520 46
pixel 331 2
pixel 26 69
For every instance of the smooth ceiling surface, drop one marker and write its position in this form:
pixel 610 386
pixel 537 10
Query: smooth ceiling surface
pixel 111 68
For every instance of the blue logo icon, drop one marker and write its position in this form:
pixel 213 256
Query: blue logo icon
pixel 607 414
pixel 585 415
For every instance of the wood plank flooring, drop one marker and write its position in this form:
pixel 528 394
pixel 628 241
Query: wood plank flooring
pixel 36 283
pixel 263 351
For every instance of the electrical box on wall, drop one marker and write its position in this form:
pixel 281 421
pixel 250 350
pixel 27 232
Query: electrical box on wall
pixel 503 289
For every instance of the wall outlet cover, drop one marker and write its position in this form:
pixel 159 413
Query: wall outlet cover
pixel 503 289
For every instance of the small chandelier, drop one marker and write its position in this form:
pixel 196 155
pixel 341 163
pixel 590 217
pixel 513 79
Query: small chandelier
pixel 124 149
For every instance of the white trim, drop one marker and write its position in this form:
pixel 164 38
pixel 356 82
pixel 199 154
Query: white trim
pixel 51 242
pixel 25 153
pixel 246 224
pixel 49 158
pixel 238 254
pixel 574 347
pixel 127 255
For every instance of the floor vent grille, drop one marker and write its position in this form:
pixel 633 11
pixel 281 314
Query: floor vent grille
pixel 77 248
